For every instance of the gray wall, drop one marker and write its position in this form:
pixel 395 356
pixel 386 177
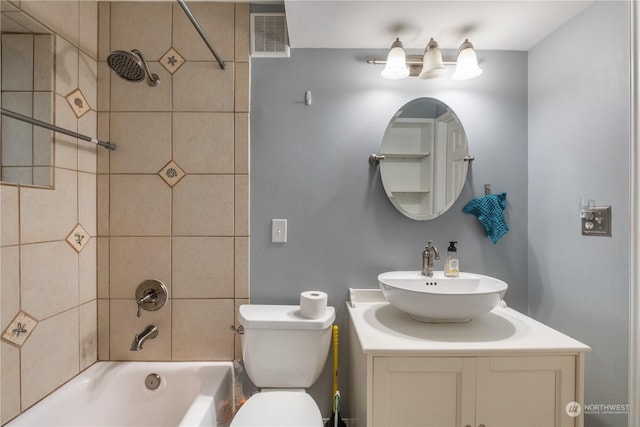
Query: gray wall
pixel 309 165
pixel 579 146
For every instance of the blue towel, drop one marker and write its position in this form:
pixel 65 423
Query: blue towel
pixel 489 209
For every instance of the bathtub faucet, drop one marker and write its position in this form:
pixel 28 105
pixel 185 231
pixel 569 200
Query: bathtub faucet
pixel 149 332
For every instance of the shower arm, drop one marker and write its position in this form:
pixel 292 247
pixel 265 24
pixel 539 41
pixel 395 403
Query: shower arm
pixel 198 28
pixel 35 122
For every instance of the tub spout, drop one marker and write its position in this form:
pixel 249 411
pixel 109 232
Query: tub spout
pixel 149 332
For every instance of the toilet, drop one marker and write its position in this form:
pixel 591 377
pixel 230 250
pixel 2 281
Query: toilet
pixel 284 353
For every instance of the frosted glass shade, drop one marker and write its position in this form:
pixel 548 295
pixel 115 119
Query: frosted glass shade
pixel 432 65
pixel 466 65
pixel 396 67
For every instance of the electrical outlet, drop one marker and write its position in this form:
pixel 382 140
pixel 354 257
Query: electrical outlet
pixel 596 221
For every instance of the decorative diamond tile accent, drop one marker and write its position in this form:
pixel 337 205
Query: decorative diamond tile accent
pixel 171 173
pixel 172 60
pixel 78 103
pixel 19 329
pixel 78 238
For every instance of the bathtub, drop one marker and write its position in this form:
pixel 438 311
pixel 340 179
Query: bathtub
pixel 115 394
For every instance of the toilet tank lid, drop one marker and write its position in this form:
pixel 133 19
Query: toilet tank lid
pixel 258 316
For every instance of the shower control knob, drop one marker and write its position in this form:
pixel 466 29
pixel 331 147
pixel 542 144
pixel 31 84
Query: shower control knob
pixel 151 295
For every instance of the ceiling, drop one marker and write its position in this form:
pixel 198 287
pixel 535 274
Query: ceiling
pixel 494 25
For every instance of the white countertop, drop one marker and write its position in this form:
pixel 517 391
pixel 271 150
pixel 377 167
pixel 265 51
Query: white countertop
pixel 385 330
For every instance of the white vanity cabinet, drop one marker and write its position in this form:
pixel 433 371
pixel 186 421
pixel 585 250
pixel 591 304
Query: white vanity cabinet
pixel 470 391
pixel 501 369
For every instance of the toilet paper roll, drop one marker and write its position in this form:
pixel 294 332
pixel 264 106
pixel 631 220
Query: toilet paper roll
pixel 313 304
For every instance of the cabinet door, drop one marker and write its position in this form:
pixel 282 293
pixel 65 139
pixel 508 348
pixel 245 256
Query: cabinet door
pixel 525 391
pixel 418 391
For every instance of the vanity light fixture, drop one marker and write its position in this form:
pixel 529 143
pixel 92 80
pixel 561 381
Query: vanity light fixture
pixel 467 63
pixel 430 65
pixel 396 64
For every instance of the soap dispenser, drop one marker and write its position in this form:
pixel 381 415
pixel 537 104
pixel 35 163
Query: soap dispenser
pixel 452 264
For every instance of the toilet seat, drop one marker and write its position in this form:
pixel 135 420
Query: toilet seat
pixel 278 408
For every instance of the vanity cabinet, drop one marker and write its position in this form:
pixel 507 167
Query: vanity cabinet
pixel 502 369
pixel 472 391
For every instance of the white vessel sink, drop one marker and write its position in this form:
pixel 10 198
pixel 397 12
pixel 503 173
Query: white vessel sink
pixel 440 298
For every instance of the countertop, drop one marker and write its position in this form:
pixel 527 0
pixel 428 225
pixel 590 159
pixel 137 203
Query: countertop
pixel 385 330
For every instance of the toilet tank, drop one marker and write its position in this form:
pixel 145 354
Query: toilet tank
pixel 281 348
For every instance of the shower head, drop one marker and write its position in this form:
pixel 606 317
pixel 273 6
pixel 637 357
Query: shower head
pixel 131 66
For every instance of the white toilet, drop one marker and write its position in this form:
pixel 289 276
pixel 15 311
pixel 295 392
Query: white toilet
pixel 284 353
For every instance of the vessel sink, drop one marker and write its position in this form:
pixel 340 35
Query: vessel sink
pixel 440 298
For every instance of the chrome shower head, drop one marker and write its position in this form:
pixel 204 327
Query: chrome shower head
pixel 131 66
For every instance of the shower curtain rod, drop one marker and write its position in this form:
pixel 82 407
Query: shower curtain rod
pixel 33 121
pixel 195 23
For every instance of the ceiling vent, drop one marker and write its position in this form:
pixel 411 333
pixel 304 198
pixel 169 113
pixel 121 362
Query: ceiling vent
pixel 269 38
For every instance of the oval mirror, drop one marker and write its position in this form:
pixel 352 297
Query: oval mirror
pixel 424 158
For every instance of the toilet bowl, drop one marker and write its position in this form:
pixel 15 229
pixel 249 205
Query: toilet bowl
pixel 283 353
pixel 279 408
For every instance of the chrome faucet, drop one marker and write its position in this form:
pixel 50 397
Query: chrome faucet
pixel 428 256
pixel 149 332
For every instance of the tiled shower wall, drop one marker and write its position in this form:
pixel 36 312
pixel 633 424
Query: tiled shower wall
pixel 48 290
pixel 173 198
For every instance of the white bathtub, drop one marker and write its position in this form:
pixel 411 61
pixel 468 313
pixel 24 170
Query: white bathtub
pixel 114 394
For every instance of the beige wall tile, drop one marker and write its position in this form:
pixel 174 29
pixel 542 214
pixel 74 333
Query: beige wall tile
pixel 10 283
pixel 57 338
pixel 103 329
pixel 140 206
pixel 144 142
pixel 102 205
pixel 242 145
pixel 43 138
pixel 242 90
pixel 203 86
pixel 242 32
pixel 9 215
pixel 145 26
pixel 10 377
pixel 104 30
pixel 88 152
pixel 242 267
pixel 103 267
pixel 43 64
pixel 103 155
pixel 61 16
pixel 104 86
pixel 217 22
pixel 12 130
pixel 135 259
pixel 211 340
pixel 241 211
pixel 49 273
pixel 66 147
pixel 88 22
pixel 17 57
pixel 124 325
pixel 203 206
pixel 202 267
pixel 204 142
pixel 88 77
pixel 87 196
pixel 88 334
pixel 48 215
pixel 66 67
pixel 87 273
pixel 128 96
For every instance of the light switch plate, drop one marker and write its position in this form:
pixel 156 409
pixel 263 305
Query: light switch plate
pixel 279 230
pixel 596 221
